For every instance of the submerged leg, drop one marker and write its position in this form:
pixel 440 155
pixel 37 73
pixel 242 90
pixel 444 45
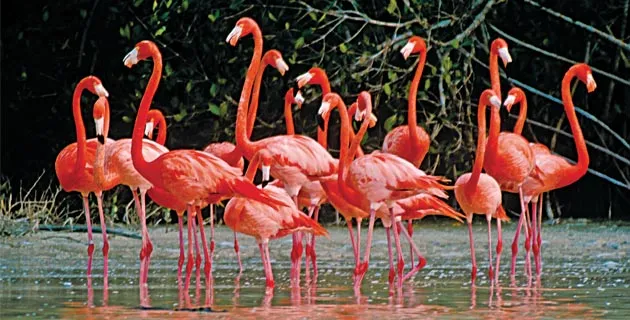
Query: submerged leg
pixel 362 269
pixel 401 261
pixel 410 231
pixel 296 254
pixel 211 235
pixel 189 264
pixel 313 253
pixel 180 261
pixel 238 254
pixel 421 260
pixel 99 199
pixel 264 251
pixel 147 245
pixel 197 253
pixel 539 238
pixel 534 240
pixel 490 273
pixel 499 249
pixel 392 270
pixel 521 220
pixel 207 266
pixel 473 273
pixel 88 222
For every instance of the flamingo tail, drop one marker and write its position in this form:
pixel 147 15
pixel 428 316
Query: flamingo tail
pixel 247 189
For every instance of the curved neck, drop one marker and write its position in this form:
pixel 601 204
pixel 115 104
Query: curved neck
pixel 492 146
pixel 141 119
pixel 78 124
pixel 253 104
pixel 161 137
pixel 242 140
pixel 522 115
pixel 356 142
pixel 581 167
pixel 322 135
pixel 105 183
pixel 481 146
pixel 413 91
pixel 344 140
pixel 288 114
pixel 495 79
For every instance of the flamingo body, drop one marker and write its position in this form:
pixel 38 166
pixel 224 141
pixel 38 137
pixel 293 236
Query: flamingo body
pixel 512 162
pixel 398 142
pixel 226 151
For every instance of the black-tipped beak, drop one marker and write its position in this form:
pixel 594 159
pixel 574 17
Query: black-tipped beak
pixel 265 183
pixel 320 121
pixel 147 137
pixel 100 138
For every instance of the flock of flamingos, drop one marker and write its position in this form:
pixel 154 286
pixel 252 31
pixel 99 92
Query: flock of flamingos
pixel 385 184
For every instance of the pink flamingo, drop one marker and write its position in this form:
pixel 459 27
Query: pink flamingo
pixel 293 159
pixel 478 192
pixel 190 175
pixel 74 170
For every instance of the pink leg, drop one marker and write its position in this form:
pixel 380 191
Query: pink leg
pixel 264 254
pixel 313 253
pixel 309 250
pixel 473 274
pixel 521 220
pixel 528 248
pixel 180 261
pixel 99 199
pixel 296 254
pixel 354 244
pixel 421 260
pixel 490 273
pixel 499 249
pixel 211 235
pixel 147 244
pixel 539 238
pixel 136 201
pixel 410 231
pixel 392 270
pixel 362 269
pixel 534 240
pixel 88 222
pixel 189 264
pixel 207 266
pixel 197 253
pixel 238 254
pixel 401 261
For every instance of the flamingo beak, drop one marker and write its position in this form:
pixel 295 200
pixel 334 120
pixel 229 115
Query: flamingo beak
pixel 265 172
pixel 100 90
pixel 131 58
pixel 148 129
pixel 495 102
pixel 282 66
pixel 299 98
pixel 304 79
pixel 234 35
pixel 407 49
pixel 358 115
pixel 590 83
pixel 99 123
pixel 373 120
pixel 509 101
pixel 323 110
pixel 505 56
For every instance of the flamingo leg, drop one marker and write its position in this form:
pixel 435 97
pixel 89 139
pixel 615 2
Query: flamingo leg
pixel 490 273
pixel 264 255
pixel 88 221
pixel 539 237
pixel 354 244
pixel 410 231
pixel 535 248
pixel 521 220
pixel 180 261
pixel 421 260
pixel 136 201
pixel 189 264
pixel 197 253
pixel 473 273
pixel 528 247
pixel 401 261
pixel 392 271
pixel 296 253
pixel 212 235
pixel 99 201
pixel 309 249
pixel 362 269
pixel 238 254
pixel 499 249
pixel 207 266
pixel 147 245
pixel 313 253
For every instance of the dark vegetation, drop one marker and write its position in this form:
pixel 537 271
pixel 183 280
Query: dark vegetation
pixel 47 47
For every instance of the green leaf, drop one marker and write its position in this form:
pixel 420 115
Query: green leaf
pixel 189 86
pixel 168 3
pixel 211 17
pixel 312 15
pixel 299 43
pixel 455 43
pixel 392 76
pixel 160 31
pixel 390 122
pixel 168 70
pixel 365 138
pixel 286 26
pixel 83 13
pixel 185 4
pixel 213 90
pixel 387 89
pixel 427 84
pixel 155 4
pixel 223 106
pixel 45 15
pixel 343 48
pixel 180 116
pixel 392 6
pixel 126 119
pixel 137 3
pixel 222 81
pixel 272 17
pixel 214 109
pixel 124 32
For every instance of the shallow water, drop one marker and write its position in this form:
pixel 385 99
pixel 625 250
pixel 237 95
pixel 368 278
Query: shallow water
pixel 586 274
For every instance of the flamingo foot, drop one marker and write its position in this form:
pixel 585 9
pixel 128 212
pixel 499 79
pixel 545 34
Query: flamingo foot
pixel 421 263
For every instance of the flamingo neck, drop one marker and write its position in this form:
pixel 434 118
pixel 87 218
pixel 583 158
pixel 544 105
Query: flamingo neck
pixel 344 140
pixel 492 146
pixel 78 124
pixel 242 140
pixel 253 105
pixel 481 147
pixel 577 171
pixel 413 92
pixel 288 114
pixel 352 110
pixel 161 137
pixel 102 181
pixel 322 135
pixel 522 115
pixel 139 162
pixel 495 79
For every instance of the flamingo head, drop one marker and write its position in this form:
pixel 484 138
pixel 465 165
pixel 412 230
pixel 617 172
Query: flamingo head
pixel 515 95
pixel 313 76
pixel 415 44
pixel 243 27
pixel 298 99
pixel 153 119
pixel 488 97
pixel 329 101
pixel 585 74
pixel 274 58
pixel 352 111
pixel 100 113
pixel 143 50
pixel 500 48
pixel 95 86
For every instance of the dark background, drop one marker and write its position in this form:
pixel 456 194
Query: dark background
pixel 48 46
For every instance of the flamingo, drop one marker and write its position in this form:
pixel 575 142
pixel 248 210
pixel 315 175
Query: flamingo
pixel 410 141
pixel 478 192
pixel 113 166
pixel 73 166
pixel 293 159
pixel 190 175
pixel 264 222
pixel 554 172
pixel 388 179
